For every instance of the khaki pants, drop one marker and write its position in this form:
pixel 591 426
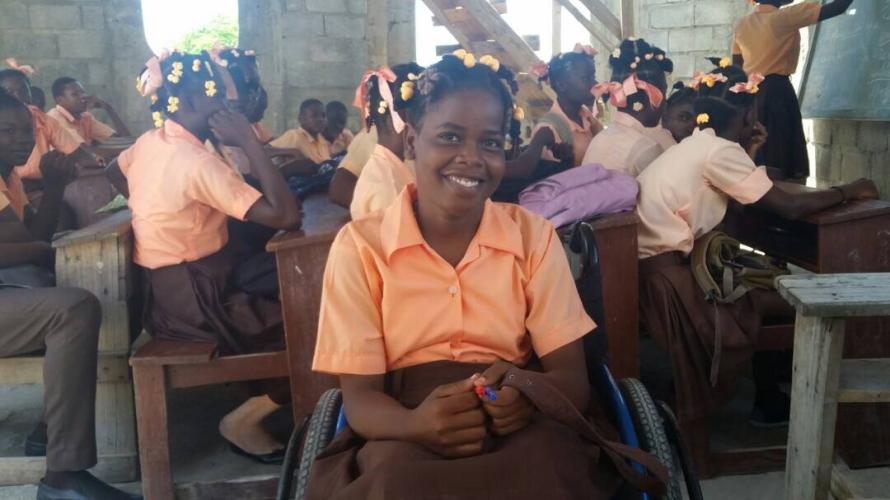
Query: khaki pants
pixel 64 321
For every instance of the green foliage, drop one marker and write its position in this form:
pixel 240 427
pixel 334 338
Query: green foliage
pixel 220 29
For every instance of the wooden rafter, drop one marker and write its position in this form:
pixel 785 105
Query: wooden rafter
pixel 609 35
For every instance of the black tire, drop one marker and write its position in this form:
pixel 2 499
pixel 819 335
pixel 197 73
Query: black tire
pixel 319 434
pixel 650 431
pixel 290 462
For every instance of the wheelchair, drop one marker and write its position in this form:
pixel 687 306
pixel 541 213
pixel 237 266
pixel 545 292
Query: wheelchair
pixel 641 422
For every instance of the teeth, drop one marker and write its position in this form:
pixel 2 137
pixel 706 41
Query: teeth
pixel 463 181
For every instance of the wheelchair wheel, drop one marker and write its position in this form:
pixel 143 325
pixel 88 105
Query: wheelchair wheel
pixel 319 434
pixel 650 431
pixel 289 464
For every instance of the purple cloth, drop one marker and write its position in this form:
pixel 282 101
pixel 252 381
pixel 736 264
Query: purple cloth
pixel 580 193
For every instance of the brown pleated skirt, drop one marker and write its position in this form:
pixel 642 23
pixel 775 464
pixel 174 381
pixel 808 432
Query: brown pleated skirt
pixel 684 323
pixel 547 459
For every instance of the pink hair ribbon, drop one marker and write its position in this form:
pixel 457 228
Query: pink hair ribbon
pixel 585 49
pixel 539 69
pixel 709 79
pixel 152 78
pixel 620 91
pixel 751 86
pixel 24 68
pixel 384 76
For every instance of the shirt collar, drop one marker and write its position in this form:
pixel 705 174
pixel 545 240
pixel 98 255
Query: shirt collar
pixel 173 129
pixel 707 131
pixel 64 112
pixel 586 115
pixel 765 8
pixel 399 228
pixel 386 153
pixel 314 139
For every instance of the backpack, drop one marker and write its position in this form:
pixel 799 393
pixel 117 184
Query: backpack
pixel 726 273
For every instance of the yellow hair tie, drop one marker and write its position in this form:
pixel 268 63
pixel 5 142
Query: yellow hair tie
pixel 469 61
pixel 725 62
pixel 196 65
pixel 491 62
pixel 518 113
pixel 407 90
pixel 210 88
pixel 702 119
pixel 173 78
pixel 154 98
pixel 172 104
pixel 381 108
pixel 460 54
pixel 158 120
pixel 638 106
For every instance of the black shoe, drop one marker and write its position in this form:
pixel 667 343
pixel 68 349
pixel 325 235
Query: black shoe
pixel 274 458
pixel 35 443
pixel 83 486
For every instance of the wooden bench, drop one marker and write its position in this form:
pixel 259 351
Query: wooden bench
pixel 160 365
pixel 97 259
pixel 821 378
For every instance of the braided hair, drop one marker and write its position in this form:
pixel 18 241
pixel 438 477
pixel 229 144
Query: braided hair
pixel 379 111
pixel 244 68
pixel 648 62
pixel 715 100
pixel 186 76
pixel 561 64
pixel 454 74
pixel 10 74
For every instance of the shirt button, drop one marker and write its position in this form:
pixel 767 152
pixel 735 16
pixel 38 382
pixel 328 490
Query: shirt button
pixel 452 290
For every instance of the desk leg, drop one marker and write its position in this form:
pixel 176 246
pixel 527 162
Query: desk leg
pixel 818 348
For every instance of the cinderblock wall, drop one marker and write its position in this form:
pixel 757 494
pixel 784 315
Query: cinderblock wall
pixel 847 150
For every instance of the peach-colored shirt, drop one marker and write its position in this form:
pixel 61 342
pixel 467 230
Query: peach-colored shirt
pixel 628 146
pixel 180 196
pixel 86 127
pixel 12 194
pixel 685 191
pixel 769 38
pixel 581 134
pixel 48 134
pixel 359 151
pixel 389 301
pixel 382 179
pixel 341 143
pixel 317 149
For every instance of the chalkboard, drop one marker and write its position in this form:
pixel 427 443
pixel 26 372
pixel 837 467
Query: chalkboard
pixel 847 74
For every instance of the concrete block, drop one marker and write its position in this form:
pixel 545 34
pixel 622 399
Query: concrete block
pixel 684 65
pixel 303 25
pixel 673 16
pixel 873 136
pixel 92 17
pixel 99 73
pixel 28 46
pixel 360 6
pixel 338 50
pixel 83 45
pixel 855 164
pixel 340 26
pixel 713 12
pixel 312 74
pixel 835 170
pixel 822 132
pixel 658 38
pixel 679 40
pixel 326 6
pixel 15 16
pixel 844 132
pixel 401 45
pixel 56 17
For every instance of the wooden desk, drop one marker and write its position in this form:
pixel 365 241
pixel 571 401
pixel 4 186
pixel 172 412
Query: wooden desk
pixel 821 379
pixel 301 257
pixel 854 237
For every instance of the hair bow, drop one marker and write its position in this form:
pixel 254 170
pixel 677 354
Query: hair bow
pixel 585 49
pixel 752 86
pixel 384 76
pixel 620 91
pixel 152 78
pixel 540 69
pixel 25 69
pixel 708 79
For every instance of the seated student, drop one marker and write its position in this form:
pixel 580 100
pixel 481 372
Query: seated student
pixel 679 112
pixel 180 195
pixel 72 111
pixel 684 194
pixel 350 168
pixel 335 130
pixel 767 41
pixel 635 136
pixel 445 291
pixel 38 98
pixel 387 172
pixel 572 75
pixel 306 142
pixel 63 321
pixel 48 134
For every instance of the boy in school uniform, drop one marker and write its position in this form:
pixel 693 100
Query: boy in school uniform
pixel 767 41
pixel 63 321
pixel 72 112
pixel 307 141
pixel 335 130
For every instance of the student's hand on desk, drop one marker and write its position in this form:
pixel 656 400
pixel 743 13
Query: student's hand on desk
pixel 57 169
pixel 511 410
pixel 862 189
pixel 232 129
pixel 450 421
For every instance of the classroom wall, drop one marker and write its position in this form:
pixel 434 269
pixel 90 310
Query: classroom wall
pixel 321 48
pixel 100 42
pixel 847 150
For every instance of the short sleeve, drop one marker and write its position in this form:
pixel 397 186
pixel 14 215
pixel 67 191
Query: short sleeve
pixel 555 316
pixel 358 153
pixel 729 169
pixel 125 159
pixel 99 130
pixel 287 140
pixel 215 184
pixel 795 17
pixel 350 328
pixel 61 138
pixel 640 157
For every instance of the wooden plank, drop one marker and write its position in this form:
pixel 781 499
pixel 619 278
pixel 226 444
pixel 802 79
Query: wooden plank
pixel 116 425
pixel 598 32
pixel 166 352
pixel 556 28
pixel 154 439
pixel 114 226
pixel 747 461
pixel 865 381
pixel 229 369
pixel 837 295
pixel 30 470
pixel 321 221
pixel 818 343
pixel 604 15
pixel 29 369
pixel 628 22
pixel 247 488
